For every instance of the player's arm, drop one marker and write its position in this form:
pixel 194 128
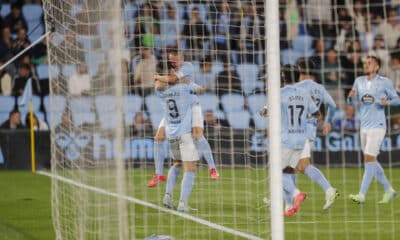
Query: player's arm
pixel 328 100
pixel 392 97
pixel 160 85
pixel 170 78
pixel 352 94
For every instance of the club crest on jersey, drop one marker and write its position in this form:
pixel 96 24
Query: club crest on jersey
pixel 367 98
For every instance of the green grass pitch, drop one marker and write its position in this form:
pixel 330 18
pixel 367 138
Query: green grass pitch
pixel 25 211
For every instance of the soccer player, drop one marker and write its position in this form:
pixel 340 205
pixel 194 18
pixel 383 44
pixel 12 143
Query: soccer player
pixel 178 104
pixel 319 95
pixel 181 71
pixel 296 106
pixel 373 92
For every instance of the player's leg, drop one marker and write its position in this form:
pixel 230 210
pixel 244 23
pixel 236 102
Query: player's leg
pixel 201 142
pixel 304 166
pixel 173 174
pixel 371 140
pixel 159 155
pixel 290 160
pixel 190 157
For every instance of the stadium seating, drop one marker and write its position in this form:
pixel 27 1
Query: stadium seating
pixel 80 118
pixel 154 104
pixel 93 59
pixel 132 104
pixel 233 102
pixel 260 123
pixel 105 104
pixel 239 119
pixel 5 9
pixel 45 71
pixel 88 42
pixel 55 111
pixel 107 121
pixel 290 56
pixel 81 104
pixel 256 102
pixel 68 70
pixel 7 104
pixel 248 74
pixel 210 101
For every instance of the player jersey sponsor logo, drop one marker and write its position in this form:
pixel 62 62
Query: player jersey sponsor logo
pixel 367 98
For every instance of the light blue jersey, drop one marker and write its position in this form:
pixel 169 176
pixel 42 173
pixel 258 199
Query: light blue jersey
pixel 320 96
pixel 187 70
pixel 177 103
pixel 296 106
pixel 369 94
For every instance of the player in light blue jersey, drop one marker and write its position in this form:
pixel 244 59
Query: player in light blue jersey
pixel 372 93
pixel 320 96
pixel 178 104
pixel 296 106
pixel 182 71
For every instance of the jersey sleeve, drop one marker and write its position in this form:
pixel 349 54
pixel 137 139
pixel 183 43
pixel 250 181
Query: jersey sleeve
pixel 311 106
pixel 192 87
pixel 391 93
pixel 328 100
pixel 185 70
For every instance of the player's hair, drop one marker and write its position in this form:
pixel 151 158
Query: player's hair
pixel 376 59
pixel 306 66
pixel 289 74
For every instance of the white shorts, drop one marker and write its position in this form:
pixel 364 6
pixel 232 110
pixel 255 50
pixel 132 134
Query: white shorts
pixel 306 152
pixel 371 140
pixel 290 157
pixel 197 118
pixel 183 148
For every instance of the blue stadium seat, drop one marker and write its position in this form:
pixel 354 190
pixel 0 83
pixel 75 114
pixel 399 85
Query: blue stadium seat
pixel 79 118
pixel 93 59
pixel 88 42
pixel 107 121
pixel 58 104
pixel 154 104
pixel 260 122
pixel 68 70
pixel 45 71
pixel 210 101
pixel 81 104
pixel 75 9
pixel 233 102
pixel 7 104
pixel 155 119
pixel 256 102
pixel 105 104
pixel 32 12
pixel 301 42
pixel 131 104
pixel 248 74
pixel 289 56
pixel 5 9
pixel 239 119
pixel 3 117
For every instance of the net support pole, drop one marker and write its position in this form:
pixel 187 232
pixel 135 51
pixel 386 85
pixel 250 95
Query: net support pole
pixel 25 50
pixel 273 73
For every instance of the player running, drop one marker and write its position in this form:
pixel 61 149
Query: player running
pixel 182 71
pixel 373 92
pixel 320 96
pixel 296 106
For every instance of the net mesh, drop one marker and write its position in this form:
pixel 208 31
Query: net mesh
pixel 225 42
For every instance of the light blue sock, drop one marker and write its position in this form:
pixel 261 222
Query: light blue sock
pixel 186 186
pixel 288 184
pixel 294 178
pixel 288 198
pixel 204 148
pixel 173 174
pixel 369 173
pixel 316 175
pixel 380 175
pixel 159 157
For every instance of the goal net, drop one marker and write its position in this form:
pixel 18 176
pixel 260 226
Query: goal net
pixel 104 114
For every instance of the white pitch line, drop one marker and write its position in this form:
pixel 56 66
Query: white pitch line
pixel 150 205
pixel 338 222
